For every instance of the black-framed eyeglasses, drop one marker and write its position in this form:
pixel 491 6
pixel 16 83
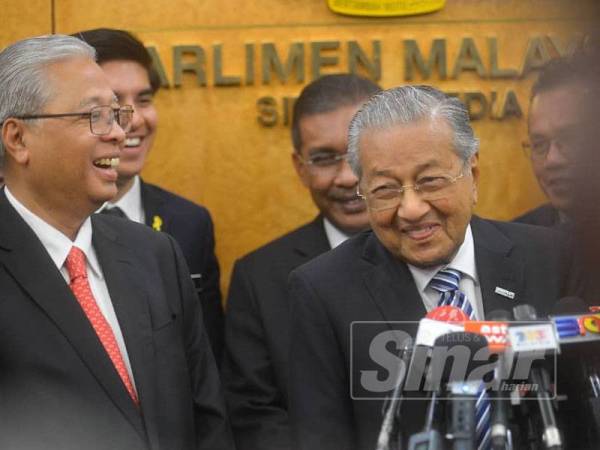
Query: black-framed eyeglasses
pixel 325 161
pixel 430 188
pixel 566 142
pixel 101 118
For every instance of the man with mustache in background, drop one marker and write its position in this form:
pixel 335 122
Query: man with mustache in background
pixel 256 330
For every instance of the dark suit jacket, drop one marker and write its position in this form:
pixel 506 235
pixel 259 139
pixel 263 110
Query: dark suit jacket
pixel 256 333
pixel 544 216
pixel 191 226
pixel 361 281
pixel 58 387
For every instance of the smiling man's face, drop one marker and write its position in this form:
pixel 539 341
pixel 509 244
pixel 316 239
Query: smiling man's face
pixel 333 188
pixel 554 124
pixel 131 83
pixel 68 168
pixel 419 231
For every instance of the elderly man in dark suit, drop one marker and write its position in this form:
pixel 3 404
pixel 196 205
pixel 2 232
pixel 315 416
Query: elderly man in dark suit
pixel 415 154
pixel 255 367
pixel 128 67
pixel 102 341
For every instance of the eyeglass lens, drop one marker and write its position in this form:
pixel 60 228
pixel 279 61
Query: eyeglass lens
pixel 103 117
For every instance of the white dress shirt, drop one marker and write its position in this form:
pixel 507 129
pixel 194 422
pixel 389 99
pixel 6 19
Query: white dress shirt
pixel 58 247
pixel 130 203
pixel 334 235
pixel 463 261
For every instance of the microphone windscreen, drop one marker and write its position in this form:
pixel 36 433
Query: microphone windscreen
pixel 451 314
pixel 569 305
pixel 524 312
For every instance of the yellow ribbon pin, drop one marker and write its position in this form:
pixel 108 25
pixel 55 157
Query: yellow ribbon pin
pixel 157 223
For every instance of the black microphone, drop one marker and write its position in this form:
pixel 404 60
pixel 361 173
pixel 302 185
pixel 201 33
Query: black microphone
pixel 569 306
pixel 500 433
pixel 538 375
pixel 389 426
pixel 430 438
pixel 419 376
pixel 579 365
pixel 463 382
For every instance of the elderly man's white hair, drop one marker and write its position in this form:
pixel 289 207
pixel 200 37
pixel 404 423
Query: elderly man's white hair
pixel 408 104
pixel 24 89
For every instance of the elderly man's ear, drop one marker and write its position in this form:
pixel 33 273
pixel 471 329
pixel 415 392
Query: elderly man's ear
pixel 475 175
pixel 13 137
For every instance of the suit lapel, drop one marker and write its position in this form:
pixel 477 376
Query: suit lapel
pixel 128 294
pixel 500 274
pixel 153 202
pixel 393 290
pixel 313 240
pixel 24 256
pixel 391 285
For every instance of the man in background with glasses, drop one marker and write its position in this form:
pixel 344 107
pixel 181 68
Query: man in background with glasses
pixel 416 159
pixel 128 67
pixel 556 135
pixel 257 325
pixel 102 342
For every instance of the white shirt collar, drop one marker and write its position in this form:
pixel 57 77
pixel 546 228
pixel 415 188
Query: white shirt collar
pixel 130 203
pixel 464 261
pixel 55 242
pixel 334 235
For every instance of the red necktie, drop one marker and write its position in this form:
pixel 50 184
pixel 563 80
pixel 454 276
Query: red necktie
pixel 80 286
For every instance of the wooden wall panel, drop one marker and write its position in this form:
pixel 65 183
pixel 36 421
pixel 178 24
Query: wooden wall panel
pixel 24 19
pixel 211 147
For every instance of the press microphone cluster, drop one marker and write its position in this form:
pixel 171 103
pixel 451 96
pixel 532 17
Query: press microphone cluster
pixel 578 332
pixel 450 417
pixel 515 356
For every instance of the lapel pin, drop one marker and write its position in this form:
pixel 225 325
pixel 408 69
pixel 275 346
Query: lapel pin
pixel 157 223
pixel 504 292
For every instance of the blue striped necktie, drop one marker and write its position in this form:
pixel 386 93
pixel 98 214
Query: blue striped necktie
pixel 446 282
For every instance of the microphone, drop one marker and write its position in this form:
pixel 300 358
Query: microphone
pixel 568 306
pixel 579 363
pixel 464 383
pixel 430 438
pixel 439 321
pixel 430 328
pixel 392 413
pixel 573 324
pixel 500 434
pixel 535 339
pixel 416 359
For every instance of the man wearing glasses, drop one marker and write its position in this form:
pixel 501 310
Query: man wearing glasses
pixel 128 67
pixel 255 368
pixel 556 135
pixel 416 158
pixel 102 339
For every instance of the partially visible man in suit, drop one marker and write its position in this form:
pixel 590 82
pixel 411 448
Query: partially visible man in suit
pixel 133 78
pixel 582 73
pixel 102 344
pixel 255 366
pixel 554 120
pixel 415 155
